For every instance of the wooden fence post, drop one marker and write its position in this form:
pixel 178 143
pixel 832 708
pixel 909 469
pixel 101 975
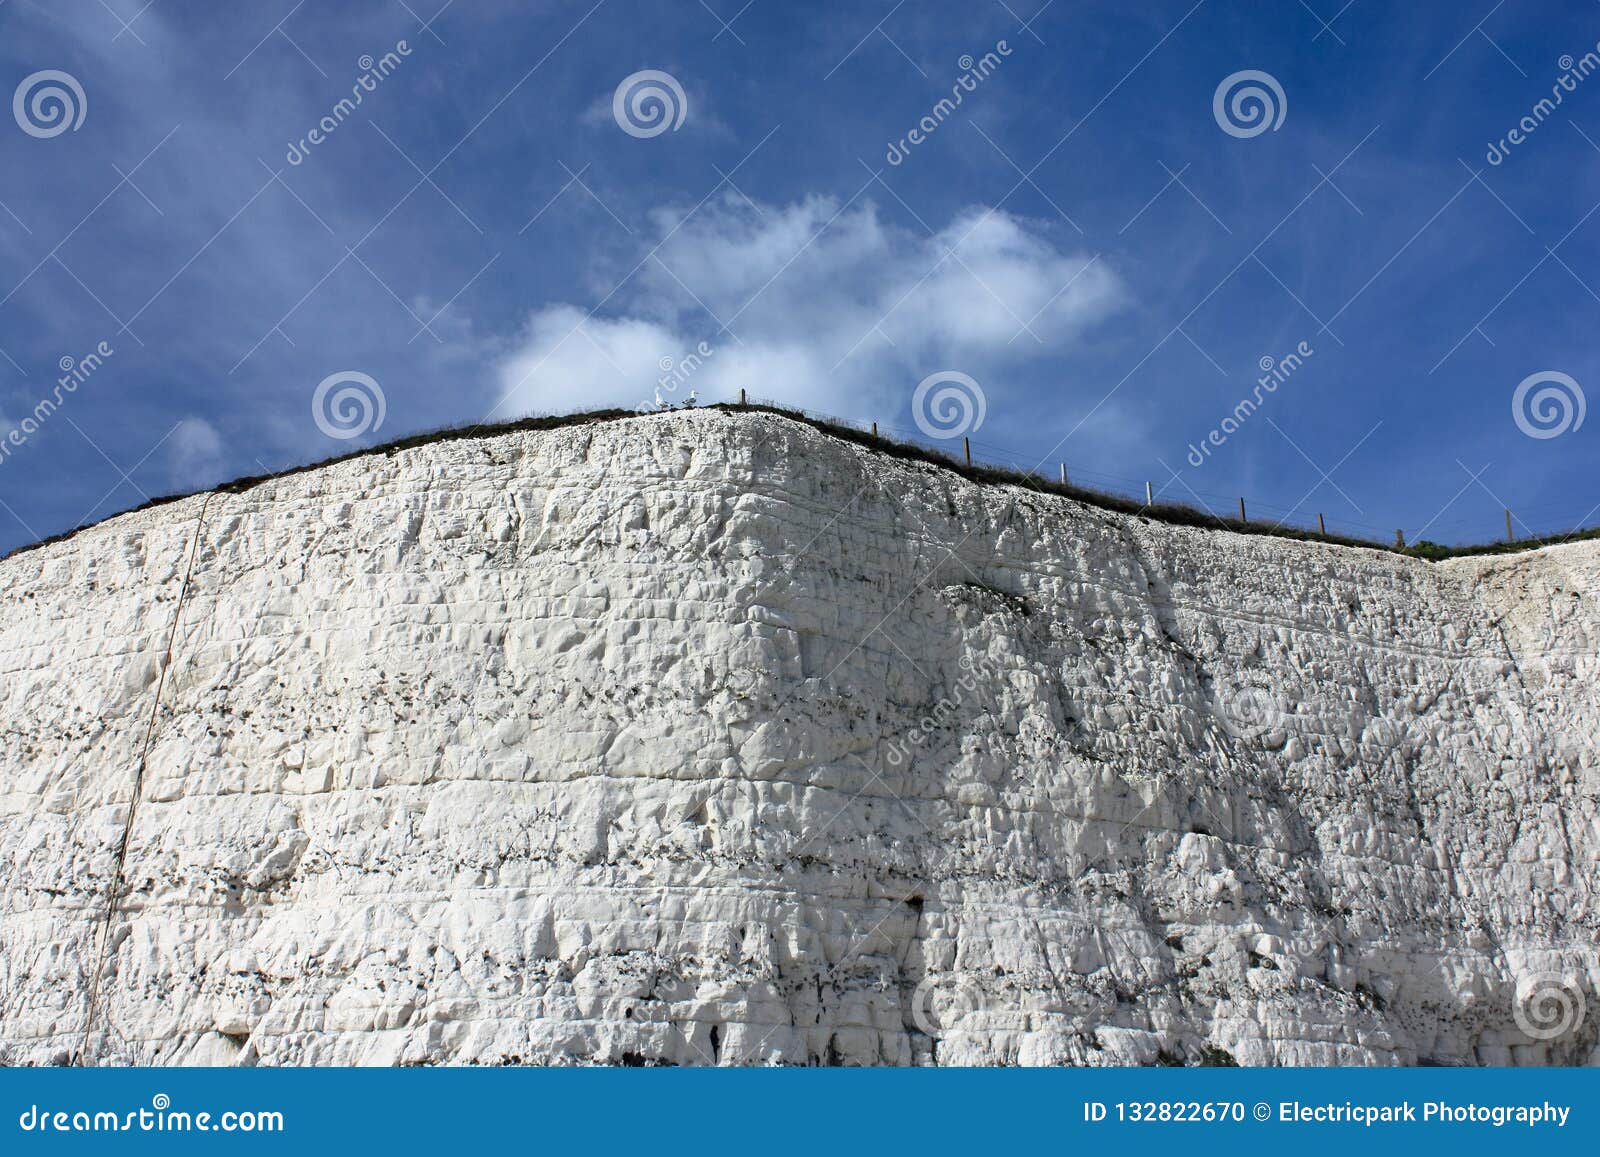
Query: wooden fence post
pixel 1242 517
pixel 741 395
pixel 1400 539
pixel 1149 495
pixel 1322 527
pixel 1063 474
pixel 874 429
pixel 966 448
pixel 1510 534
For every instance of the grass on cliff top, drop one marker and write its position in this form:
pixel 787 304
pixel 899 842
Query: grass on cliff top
pixel 1176 514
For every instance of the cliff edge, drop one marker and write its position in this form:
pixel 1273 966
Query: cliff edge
pixel 705 737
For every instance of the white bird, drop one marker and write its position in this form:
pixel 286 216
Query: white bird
pixel 661 403
pixel 693 396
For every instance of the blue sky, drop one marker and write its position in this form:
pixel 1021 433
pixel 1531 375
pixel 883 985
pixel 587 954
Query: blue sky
pixel 1081 237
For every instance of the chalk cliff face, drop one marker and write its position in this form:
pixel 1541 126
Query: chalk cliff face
pixel 704 738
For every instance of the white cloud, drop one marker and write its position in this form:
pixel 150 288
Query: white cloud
pixel 828 309
pixel 570 362
pixel 195 453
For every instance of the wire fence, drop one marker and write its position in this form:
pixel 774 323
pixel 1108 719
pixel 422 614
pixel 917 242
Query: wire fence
pixel 1544 523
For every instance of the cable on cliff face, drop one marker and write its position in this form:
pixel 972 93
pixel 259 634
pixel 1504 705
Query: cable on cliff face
pixel 114 896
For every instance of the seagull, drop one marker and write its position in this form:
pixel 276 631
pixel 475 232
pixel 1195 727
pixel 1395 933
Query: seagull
pixel 693 396
pixel 662 403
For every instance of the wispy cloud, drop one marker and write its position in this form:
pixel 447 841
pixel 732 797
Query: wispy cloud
pixel 195 454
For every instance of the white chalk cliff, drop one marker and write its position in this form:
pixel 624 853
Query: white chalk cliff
pixel 708 737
